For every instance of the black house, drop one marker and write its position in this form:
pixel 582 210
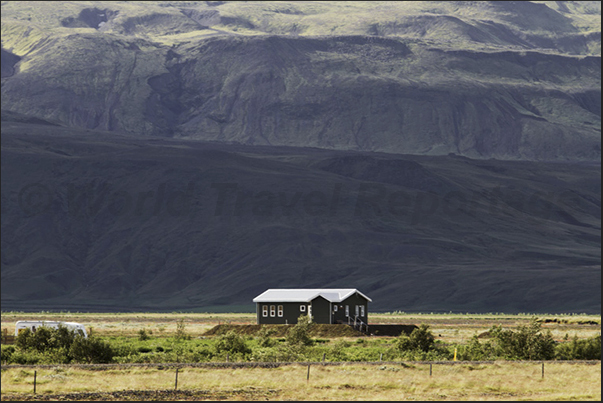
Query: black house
pixel 324 305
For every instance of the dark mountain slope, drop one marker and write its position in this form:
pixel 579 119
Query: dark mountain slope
pixel 9 61
pixel 115 223
pixel 184 155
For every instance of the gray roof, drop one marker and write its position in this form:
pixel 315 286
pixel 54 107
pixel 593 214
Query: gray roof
pixel 306 294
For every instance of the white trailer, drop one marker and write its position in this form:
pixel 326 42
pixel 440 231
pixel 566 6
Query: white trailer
pixel 33 325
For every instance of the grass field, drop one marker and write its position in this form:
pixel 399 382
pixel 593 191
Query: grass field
pixel 497 381
pixel 500 380
pixel 449 328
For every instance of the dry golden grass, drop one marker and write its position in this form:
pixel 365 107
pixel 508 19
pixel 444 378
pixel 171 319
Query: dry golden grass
pixel 449 328
pixel 460 328
pixel 128 324
pixel 499 381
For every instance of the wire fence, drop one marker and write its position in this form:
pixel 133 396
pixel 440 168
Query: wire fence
pixel 427 370
pixel 234 365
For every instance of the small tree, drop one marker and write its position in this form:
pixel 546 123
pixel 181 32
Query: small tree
pixel 181 331
pixel 143 335
pixel 24 339
pixel 299 335
pixel 62 337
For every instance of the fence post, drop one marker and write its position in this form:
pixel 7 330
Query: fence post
pixel 35 376
pixel 543 370
pixel 430 371
pixel 227 357
pixel 176 383
pixel 381 357
pixel 324 357
pixel 308 376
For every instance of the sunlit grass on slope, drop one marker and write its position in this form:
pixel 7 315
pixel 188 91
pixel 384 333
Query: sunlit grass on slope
pixel 452 24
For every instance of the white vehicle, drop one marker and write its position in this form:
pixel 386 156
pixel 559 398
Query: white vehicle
pixel 33 325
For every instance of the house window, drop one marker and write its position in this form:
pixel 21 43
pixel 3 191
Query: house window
pixel 335 308
pixel 302 308
pixel 280 311
pixel 362 310
pixel 357 310
pixel 265 311
pixel 310 310
pixel 347 310
pixel 272 311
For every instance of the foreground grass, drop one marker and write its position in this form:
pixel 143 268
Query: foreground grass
pixel 498 381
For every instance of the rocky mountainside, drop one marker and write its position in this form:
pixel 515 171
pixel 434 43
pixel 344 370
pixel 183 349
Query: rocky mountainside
pixel 187 155
pixel 506 80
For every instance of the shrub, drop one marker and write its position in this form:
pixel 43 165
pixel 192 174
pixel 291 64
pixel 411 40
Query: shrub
pixel 26 357
pixel 527 343
pixel 41 339
pixel 61 338
pixel 263 337
pixel 123 350
pixel 586 349
pixel 420 339
pixel 91 350
pixel 7 352
pixel 44 338
pixel 203 353
pixel 55 356
pixel 264 354
pixel 231 343
pixel 25 339
pixel 59 346
pixel 339 351
pixel 476 351
pixel 299 335
pixel 143 335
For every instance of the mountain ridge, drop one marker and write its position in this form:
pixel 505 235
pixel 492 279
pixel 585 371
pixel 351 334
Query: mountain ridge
pixel 399 91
